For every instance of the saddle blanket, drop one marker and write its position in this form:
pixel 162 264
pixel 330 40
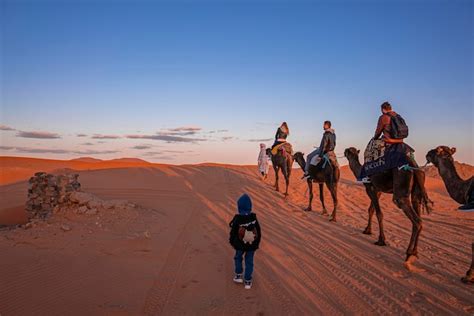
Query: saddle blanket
pixel 378 157
pixel 286 146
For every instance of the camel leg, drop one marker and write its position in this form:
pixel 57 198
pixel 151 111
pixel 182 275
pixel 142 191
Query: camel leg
pixel 368 229
pixel 310 202
pixel 372 195
pixel 287 173
pixel 276 178
pixel 417 226
pixel 321 197
pixel 333 190
pixel 378 211
pixel 469 278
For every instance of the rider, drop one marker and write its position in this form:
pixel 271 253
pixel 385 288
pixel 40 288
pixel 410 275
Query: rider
pixel 383 125
pixel 327 146
pixel 383 129
pixel 281 135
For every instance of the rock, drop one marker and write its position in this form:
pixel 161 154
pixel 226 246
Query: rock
pixel 81 198
pixel 65 227
pixel 147 234
pixel 28 225
pixel 92 211
pixel 94 203
pixel 47 191
pixel 108 204
pixel 81 209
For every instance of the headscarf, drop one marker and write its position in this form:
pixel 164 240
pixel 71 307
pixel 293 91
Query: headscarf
pixel 284 128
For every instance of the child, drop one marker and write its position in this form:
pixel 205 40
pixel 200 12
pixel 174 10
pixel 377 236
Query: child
pixel 263 161
pixel 245 237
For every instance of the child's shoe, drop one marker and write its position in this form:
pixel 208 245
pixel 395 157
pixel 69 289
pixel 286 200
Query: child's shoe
pixel 248 284
pixel 238 278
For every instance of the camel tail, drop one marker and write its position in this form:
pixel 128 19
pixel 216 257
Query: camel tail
pixel 422 200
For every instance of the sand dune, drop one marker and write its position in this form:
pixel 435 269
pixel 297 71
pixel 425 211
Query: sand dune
pixel 171 256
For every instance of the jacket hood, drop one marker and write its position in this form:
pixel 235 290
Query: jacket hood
pixel 330 130
pixel 244 204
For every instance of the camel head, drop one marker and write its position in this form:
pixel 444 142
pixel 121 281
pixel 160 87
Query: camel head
pixel 352 153
pixel 440 153
pixel 299 158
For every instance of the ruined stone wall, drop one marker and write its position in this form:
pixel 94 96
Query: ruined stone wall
pixel 46 192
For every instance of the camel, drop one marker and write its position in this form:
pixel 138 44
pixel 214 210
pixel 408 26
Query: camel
pixel 328 175
pixel 462 191
pixel 402 185
pixel 281 161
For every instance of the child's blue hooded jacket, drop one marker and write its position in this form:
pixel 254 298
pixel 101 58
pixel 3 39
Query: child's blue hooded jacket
pixel 245 220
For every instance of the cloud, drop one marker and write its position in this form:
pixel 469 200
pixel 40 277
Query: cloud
pixel 95 152
pixel 38 134
pixel 177 151
pixel 180 131
pixel 142 147
pixel 31 150
pixel 88 144
pixel 6 128
pixel 219 131
pixel 41 150
pixel 167 138
pixel 100 136
pixel 226 138
pixel 260 139
pixel 159 155
pixel 152 153
pixel 186 129
pixel 81 135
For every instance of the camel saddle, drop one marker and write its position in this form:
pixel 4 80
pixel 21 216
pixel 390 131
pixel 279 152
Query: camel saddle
pixel 286 146
pixel 380 157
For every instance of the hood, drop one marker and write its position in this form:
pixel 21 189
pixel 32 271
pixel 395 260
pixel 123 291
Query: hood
pixel 330 130
pixel 244 204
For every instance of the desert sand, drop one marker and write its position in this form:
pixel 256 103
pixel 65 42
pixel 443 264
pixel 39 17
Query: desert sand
pixel 171 256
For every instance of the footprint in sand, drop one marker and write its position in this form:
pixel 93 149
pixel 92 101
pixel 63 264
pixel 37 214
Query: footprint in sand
pixel 400 274
pixel 417 297
pixel 185 285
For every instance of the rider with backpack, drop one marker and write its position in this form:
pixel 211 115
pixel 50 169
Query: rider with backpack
pixel 393 129
pixel 245 237
pixel 391 126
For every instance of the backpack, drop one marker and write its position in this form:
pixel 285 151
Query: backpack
pixel 398 127
pixel 248 233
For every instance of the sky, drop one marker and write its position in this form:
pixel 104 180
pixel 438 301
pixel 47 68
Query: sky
pixel 207 81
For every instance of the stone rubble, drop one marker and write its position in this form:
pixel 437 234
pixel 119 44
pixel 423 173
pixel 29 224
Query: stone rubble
pixel 47 191
pixel 48 194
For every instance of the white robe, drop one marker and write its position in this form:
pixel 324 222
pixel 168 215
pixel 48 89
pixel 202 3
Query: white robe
pixel 263 164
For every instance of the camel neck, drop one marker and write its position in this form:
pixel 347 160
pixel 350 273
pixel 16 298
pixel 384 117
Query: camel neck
pixel 452 181
pixel 447 170
pixel 355 166
pixel 302 164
